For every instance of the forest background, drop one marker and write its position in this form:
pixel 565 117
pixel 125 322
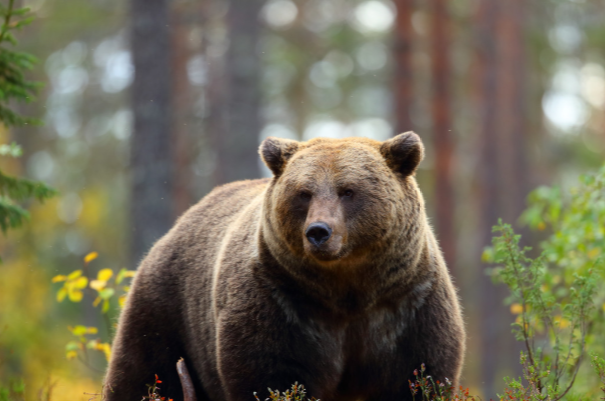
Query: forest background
pixel 148 105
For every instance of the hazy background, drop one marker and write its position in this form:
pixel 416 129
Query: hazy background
pixel 149 104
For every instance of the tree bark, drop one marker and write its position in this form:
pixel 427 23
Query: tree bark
pixel 500 69
pixel 181 14
pixel 486 74
pixel 402 53
pixel 512 106
pixel 237 144
pixel 512 144
pixel 442 131
pixel 151 207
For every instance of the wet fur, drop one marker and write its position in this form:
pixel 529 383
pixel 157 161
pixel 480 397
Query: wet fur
pixel 233 290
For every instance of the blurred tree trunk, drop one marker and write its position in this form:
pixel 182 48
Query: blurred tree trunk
pixel 502 177
pixel 512 105
pixel 151 206
pixel 402 53
pixel 215 42
pixel 488 181
pixel 512 145
pixel 486 75
pixel 237 142
pixel 442 131
pixel 181 18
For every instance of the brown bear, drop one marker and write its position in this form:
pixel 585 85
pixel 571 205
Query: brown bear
pixel 327 274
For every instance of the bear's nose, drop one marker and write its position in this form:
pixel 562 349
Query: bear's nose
pixel 318 233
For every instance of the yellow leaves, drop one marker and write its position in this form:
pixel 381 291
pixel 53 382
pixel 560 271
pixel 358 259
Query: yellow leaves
pixel 61 294
pixel 99 346
pixel 516 309
pixel 71 355
pixel 75 282
pixel 124 274
pixel 105 293
pixel 122 301
pixel 100 285
pixel 82 330
pixel 594 253
pixel 97 285
pixel 59 278
pixel 104 275
pixel 73 285
pixel 102 278
pixel 541 226
pixel 488 255
pixel 74 347
pixel 74 275
pixel 75 295
pixel 90 257
pixel 562 322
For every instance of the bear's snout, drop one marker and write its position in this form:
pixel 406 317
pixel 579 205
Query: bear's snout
pixel 318 233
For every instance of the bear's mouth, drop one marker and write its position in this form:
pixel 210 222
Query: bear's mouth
pixel 328 251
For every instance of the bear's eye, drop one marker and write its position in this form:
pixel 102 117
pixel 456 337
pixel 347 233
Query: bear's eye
pixel 347 193
pixel 304 195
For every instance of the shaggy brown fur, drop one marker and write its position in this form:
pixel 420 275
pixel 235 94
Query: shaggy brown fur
pixel 237 289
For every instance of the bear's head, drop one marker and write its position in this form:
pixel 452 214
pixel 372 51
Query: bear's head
pixel 341 201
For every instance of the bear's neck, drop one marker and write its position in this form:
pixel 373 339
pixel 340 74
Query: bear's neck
pixel 389 277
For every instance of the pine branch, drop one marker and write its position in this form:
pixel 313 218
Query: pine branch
pixel 11 215
pixel 15 87
pixel 20 189
pixel 13 84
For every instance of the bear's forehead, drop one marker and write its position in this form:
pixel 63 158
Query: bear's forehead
pixel 337 158
pixel 339 150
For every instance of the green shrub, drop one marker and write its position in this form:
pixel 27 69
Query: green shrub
pixel 556 294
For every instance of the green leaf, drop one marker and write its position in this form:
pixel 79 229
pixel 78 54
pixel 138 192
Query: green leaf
pixel 72 346
pixel 79 330
pixel 106 293
pixel 105 308
pixel 12 150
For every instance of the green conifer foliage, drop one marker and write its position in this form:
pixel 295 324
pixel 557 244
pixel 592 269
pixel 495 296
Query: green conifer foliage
pixel 14 87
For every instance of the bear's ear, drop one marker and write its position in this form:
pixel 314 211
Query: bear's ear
pixel 403 153
pixel 275 152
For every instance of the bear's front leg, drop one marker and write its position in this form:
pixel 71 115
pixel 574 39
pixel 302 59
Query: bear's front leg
pixel 259 349
pixel 434 338
pixel 147 344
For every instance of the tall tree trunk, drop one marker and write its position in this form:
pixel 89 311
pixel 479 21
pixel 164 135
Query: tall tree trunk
pixel 512 143
pixel 512 105
pixel 215 97
pixel 181 16
pixel 486 74
pixel 442 131
pixel 237 145
pixel 402 53
pixel 502 173
pixel 151 207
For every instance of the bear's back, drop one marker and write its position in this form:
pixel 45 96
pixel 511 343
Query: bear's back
pixel 196 238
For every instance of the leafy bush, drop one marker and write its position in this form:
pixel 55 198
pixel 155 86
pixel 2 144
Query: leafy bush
pixel 431 390
pixel 296 393
pixel 104 290
pixel 598 364
pixel 555 294
pixel 15 391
